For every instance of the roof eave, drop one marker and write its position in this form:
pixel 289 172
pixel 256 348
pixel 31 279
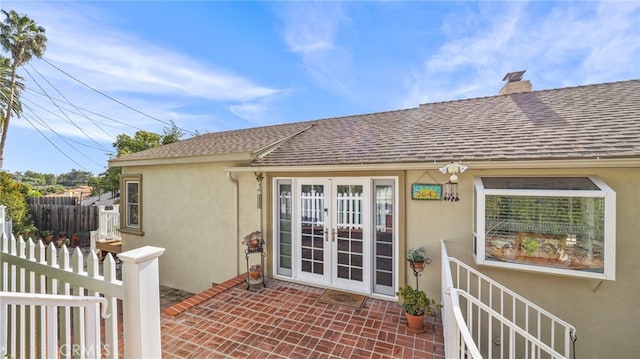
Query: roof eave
pixel 226 157
pixel 519 164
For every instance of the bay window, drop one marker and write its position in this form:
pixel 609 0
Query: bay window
pixel 558 225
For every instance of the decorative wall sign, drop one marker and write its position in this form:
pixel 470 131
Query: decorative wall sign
pixel 426 191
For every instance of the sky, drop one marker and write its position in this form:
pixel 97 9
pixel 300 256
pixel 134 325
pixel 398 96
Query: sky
pixel 117 67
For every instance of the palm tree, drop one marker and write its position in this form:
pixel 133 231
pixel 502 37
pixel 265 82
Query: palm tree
pixel 5 89
pixel 23 38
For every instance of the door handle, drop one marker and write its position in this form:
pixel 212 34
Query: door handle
pixel 335 234
pixel 325 233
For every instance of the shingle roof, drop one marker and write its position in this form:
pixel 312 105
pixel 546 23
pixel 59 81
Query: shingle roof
pixel 237 141
pixel 581 122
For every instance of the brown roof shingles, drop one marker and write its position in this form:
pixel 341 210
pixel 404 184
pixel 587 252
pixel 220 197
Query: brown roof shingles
pixel 591 121
pixel 579 122
pixel 236 141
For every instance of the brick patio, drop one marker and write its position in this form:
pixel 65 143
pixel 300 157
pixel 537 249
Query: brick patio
pixel 285 320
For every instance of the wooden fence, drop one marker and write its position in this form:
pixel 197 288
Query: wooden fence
pixel 63 214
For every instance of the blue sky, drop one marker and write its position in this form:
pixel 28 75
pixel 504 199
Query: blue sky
pixel 214 66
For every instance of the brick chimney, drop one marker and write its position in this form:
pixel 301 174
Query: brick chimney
pixel 515 84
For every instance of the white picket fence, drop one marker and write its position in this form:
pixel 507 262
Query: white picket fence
pixel 483 319
pixel 33 280
pixel 44 309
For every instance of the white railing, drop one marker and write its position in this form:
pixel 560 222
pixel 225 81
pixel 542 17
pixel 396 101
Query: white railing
pixel 45 309
pixel 108 226
pixel 108 223
pixel 33 269
pixel 482 318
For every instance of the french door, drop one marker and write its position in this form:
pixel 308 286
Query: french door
pixel 332 242
pixel 337 232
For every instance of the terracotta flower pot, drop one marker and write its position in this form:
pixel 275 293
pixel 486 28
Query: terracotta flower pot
pixel 417 266
pixel 415 323
pixel 255 275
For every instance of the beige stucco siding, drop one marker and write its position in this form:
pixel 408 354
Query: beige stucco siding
pixel 606 315
pixel 190 211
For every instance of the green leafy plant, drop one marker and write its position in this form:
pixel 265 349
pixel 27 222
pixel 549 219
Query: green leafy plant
pixel 416 302
pixel 529 246
pixel 416 255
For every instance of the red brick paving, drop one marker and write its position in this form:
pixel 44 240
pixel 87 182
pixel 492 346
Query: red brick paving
pixel 285 320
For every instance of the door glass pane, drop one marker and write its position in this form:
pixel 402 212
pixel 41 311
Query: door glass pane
pixel 384 225
pixel 284 228
pixel 312 228
pixel 349 225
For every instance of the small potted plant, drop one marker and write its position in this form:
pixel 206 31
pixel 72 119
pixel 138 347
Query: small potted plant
pixel 47 236
pixel 62 239
pixel 416 305
pixel 253 240
pixel 255 271
pixel 416 258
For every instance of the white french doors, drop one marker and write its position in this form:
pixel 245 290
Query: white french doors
pixel 332 240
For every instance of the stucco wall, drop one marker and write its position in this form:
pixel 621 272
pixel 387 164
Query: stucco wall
pixel 189 210
pixel 606 315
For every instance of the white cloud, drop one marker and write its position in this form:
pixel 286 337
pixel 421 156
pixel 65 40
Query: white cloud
pixel 311 30
pixel 557 43
pixel 87 45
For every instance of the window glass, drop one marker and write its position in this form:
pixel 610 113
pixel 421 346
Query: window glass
pixel 284 224
pixel 131 204
pixel 547 224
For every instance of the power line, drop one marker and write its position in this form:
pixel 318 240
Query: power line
pixel 93 113
pixel 60 109
pixel 114 99
pixel 53 144
pixel 34 103
pixel 43 123
pixel 70 103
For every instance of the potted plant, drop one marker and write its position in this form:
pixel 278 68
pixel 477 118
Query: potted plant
pixel 416 258
pixel 47 236
pixel 416 305
pixel 253 240
pixel 255 271
pixel 62 239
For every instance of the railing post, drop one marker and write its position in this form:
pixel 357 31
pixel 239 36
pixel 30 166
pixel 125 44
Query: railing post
pixel 141 307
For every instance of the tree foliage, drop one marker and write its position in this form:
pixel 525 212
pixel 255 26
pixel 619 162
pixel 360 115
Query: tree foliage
pixel 23 39
pixel 13 195
pixel 109 181
pixel 74 178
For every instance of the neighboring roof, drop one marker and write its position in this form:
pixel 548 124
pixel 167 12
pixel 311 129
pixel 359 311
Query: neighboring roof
pixel 78 191
pixel 584 122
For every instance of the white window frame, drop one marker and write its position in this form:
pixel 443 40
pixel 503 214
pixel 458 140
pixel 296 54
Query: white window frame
pixel 609 245
pixel 125 226
pixel 290 274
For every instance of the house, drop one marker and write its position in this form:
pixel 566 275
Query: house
pixel 540 190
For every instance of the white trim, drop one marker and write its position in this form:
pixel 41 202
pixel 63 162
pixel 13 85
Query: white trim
pixel 609 256
pixel 330 183
pixel 435 165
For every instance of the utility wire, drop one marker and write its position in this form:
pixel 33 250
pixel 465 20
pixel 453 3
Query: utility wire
pixel 93 113
pixel 34 103
pixel 53 144
pixel 114 99
pixel 43 123
pixel 69 102
pixel 60 109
